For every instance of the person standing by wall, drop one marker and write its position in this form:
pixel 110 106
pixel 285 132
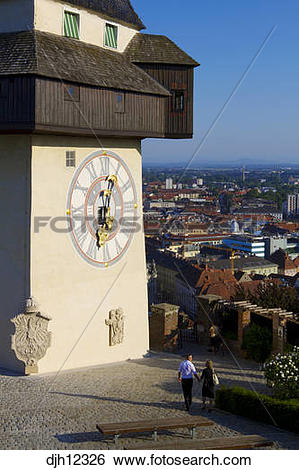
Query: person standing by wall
pixel 185 377
pixel 210 379
pixel 214 338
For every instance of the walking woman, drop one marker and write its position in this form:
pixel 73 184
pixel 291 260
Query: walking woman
pixel 209 379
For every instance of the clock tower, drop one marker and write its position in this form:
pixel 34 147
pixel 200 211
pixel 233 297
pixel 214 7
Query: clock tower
pixel 80 87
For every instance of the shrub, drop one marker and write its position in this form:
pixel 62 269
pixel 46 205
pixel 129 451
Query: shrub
pixel 260 407
pixel 258 342
pixel 229 321
pixel 282 373
pixel 230 335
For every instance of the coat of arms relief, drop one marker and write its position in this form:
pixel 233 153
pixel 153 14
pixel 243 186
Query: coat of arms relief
pixel 32 338
pixel 116 323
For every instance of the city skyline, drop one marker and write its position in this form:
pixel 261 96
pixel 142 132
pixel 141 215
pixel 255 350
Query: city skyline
pixel 261 119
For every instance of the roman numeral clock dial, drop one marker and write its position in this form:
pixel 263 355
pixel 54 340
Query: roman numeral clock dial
pixel 102 209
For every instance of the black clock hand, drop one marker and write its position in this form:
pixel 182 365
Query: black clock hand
pixel 105 221
pixel 112 181
pixel 101 216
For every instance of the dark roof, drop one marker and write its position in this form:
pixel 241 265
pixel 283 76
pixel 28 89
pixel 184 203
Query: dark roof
pixel 118 9
pixel 151 49
pixel 162 259
pixel 170 261
pixel 238 275
pixel 54 56
pixel 242 263
pixel 190 274
pixel 182 268
pixel 286 280
pixel 283 260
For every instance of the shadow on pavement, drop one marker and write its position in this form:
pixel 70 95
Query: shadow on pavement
pixel 79 437
pixel 97 437
pixel 163 404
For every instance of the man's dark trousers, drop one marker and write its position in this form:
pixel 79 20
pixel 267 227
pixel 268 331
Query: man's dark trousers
pixel 187 385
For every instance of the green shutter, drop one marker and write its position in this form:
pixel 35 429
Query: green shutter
pixel 71 25
pixel 111 36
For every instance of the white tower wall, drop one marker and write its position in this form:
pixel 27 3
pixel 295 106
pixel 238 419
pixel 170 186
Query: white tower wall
pixel 70 290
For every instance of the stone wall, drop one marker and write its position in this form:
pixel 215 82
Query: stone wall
pixel 164 327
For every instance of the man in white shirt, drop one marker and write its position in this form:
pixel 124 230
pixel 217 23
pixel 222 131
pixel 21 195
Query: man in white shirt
pixel 185 377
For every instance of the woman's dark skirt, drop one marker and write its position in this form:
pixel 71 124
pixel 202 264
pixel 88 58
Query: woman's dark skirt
pixel 208 391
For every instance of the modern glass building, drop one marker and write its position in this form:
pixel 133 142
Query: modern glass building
pixel 250 245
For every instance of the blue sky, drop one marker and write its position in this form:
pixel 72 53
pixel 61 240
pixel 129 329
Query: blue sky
pixel 261 122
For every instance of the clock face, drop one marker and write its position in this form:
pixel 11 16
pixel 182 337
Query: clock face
pixel 85 202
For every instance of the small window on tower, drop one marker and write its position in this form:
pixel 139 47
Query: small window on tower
pixel 111 34
pixel 178 97
pixel 70 159
pixel 71 24
pixel 119 102
pixel 71 92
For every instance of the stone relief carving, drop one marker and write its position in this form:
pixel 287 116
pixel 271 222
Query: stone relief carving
pixel 32 338
pixel 151 271
pixel 116 323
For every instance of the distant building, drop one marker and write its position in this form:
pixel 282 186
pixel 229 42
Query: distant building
pixel 188 246
pixel 235 227
pixel 152 228
pixel 285 265
pixel 250 265
pixel 199 182
pixel 293 204
pixel 243 174
pixel 169 183
pixel 240 276
pixel 196 228
pixel 225 202
pixel 250 245
pixel 273 244
pixel 260 212
pixel 159 205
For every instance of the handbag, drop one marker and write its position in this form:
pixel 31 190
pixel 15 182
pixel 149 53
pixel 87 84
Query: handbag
pixel 215 379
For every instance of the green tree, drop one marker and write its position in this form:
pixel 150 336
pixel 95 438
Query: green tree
pixel 276 296
pixel 258 342
pixel 270 296
pixel 253 193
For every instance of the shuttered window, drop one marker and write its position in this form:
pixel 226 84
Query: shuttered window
pixel 71 24
pixel 111 33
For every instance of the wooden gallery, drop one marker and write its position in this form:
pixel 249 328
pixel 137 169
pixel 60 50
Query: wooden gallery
pixel 80 87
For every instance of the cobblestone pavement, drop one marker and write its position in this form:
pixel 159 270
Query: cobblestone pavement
pixel 48 412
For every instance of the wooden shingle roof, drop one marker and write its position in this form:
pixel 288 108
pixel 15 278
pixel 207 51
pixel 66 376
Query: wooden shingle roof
pixel 121 10
pixel 152 49
pixel 54 56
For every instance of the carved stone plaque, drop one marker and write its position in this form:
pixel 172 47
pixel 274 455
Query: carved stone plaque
pixel 32 338
pixel 116 325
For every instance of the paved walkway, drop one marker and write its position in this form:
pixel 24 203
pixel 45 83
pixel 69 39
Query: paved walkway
pixel 48 412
